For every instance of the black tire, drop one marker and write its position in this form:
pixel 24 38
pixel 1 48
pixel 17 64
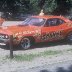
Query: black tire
pixel 25 43
pixel 69 38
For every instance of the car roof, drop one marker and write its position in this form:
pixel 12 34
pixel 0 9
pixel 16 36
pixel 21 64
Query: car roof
pixel 49 16
pixel 52 16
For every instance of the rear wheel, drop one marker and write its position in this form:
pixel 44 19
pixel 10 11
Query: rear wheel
pixel 25 43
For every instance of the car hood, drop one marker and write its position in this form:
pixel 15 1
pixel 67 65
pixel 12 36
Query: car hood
pixel 15 29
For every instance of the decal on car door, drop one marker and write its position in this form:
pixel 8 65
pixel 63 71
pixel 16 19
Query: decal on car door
pixel 52 35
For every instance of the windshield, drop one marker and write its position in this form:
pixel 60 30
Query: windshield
pixel 33 21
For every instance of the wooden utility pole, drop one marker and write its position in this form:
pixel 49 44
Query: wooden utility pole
pixel 11 46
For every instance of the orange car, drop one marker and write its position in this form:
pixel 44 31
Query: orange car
pixel 37 29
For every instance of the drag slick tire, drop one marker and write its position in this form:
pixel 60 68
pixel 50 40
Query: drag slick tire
pixel 25 43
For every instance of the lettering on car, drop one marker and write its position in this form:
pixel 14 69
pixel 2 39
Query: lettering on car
pixel 52 35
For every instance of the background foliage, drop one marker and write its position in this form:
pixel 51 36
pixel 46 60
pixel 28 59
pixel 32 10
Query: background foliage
pixel 55 7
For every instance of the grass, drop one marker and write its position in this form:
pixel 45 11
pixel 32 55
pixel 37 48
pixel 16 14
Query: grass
pixel 29 57
pixel 69 50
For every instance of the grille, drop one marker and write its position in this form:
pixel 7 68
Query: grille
pixel 4 36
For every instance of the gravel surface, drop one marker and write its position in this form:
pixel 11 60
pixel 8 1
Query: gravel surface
pixel 65 66
pixel 8 65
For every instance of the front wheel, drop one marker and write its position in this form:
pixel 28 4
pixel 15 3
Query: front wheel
pixel 25 43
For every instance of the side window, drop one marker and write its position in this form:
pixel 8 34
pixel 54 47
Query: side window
pixel 54 22
pixel 60 21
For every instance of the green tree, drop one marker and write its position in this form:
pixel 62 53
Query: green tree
pixel 24 6
pixel 49 5
pixel 56 7
pixel 34 6
pixel 63 7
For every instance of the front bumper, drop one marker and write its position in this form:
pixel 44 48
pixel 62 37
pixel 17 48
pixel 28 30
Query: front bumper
pixel 4 43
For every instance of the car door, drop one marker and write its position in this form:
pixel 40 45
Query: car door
pixel 52 30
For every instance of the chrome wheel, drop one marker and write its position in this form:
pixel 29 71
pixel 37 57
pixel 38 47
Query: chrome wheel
pixel 25 43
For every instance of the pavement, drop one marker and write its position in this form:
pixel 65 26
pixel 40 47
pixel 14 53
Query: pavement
pixel 57 67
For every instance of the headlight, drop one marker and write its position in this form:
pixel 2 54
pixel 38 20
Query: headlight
pixel 6 36
pixel 3 36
